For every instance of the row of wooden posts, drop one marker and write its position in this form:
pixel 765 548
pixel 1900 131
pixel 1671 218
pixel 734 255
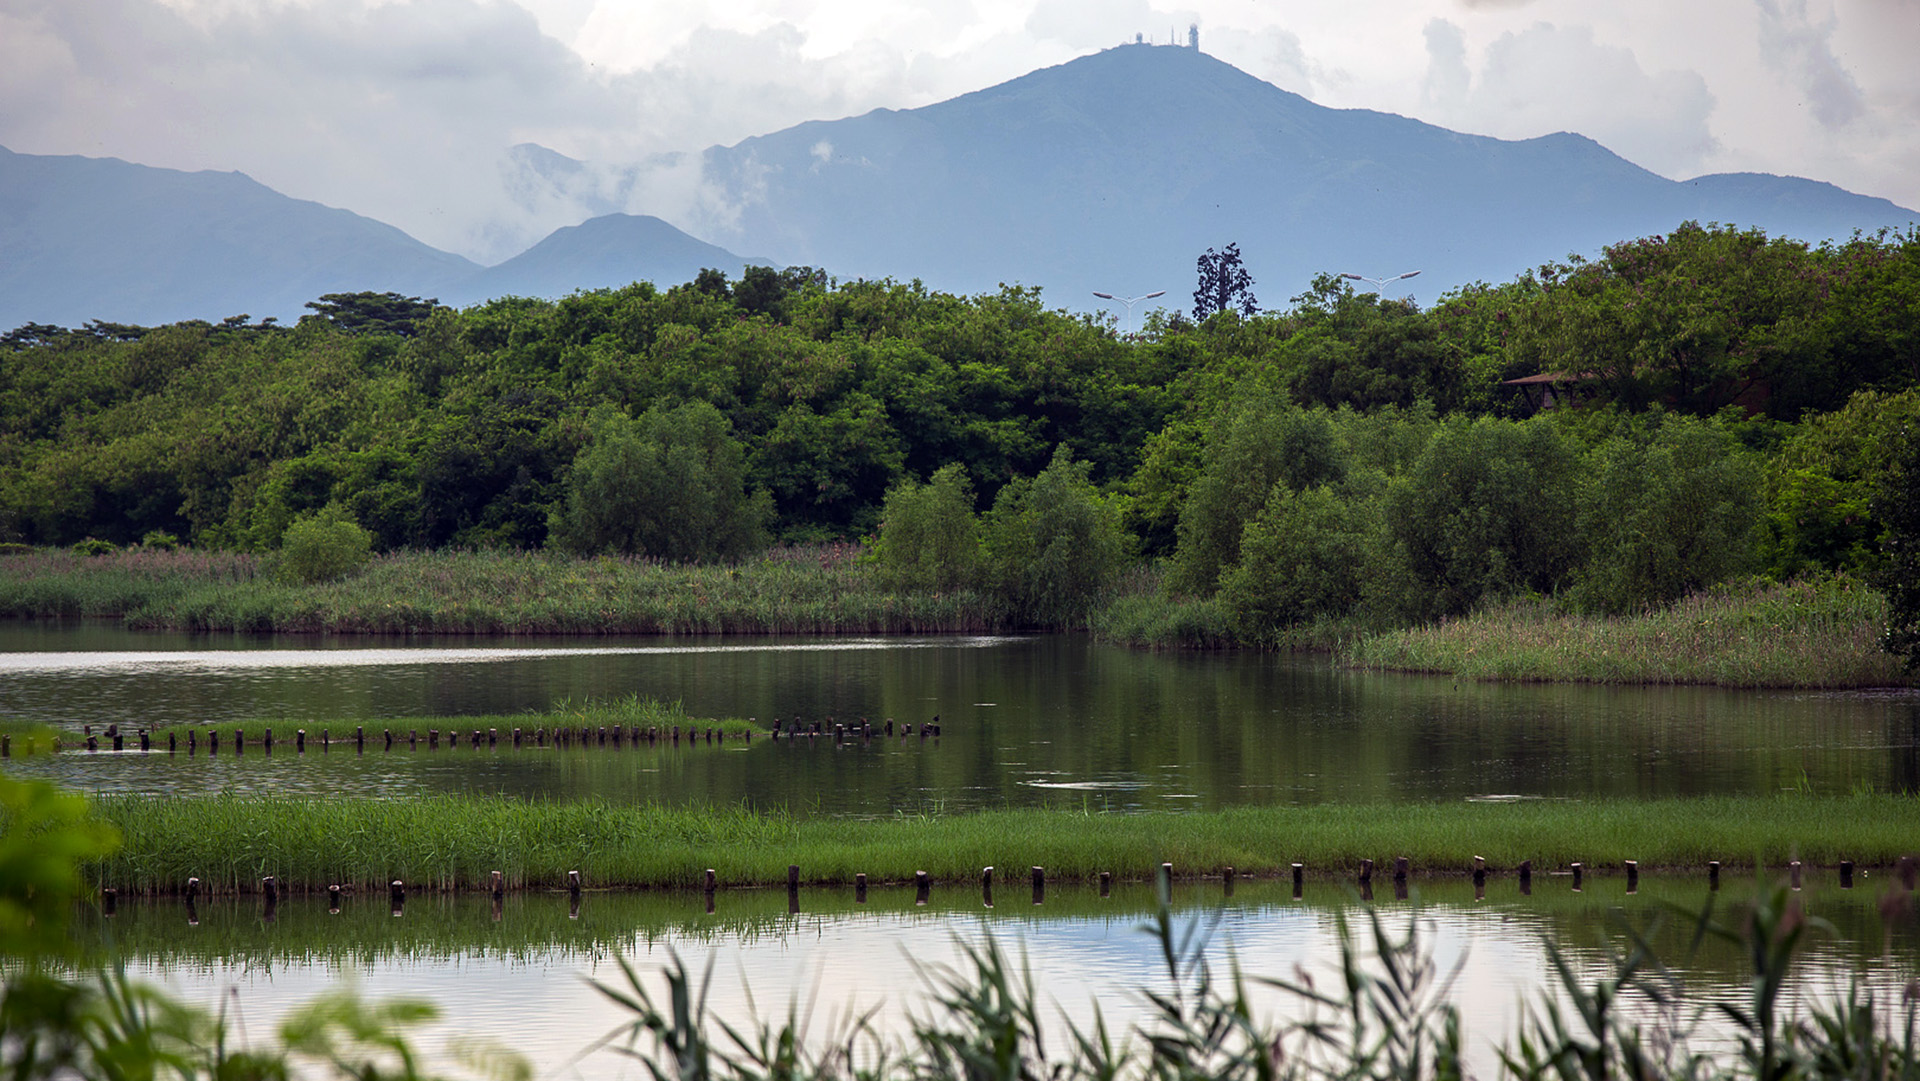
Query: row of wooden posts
pixel 1164 879
pixel 517 738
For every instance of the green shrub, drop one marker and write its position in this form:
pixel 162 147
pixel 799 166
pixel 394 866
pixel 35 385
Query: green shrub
pixel 1301 558
pixel 323 547
pixel 159 540
pixel 670 484
pixel 929 535
pixel 1054 543
pixel 93 546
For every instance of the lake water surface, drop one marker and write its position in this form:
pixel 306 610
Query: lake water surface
pixel 1052 720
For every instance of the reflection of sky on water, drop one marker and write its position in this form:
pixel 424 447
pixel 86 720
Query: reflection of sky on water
pixel 829 968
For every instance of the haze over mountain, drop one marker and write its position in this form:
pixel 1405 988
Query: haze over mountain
pixel 1114 171
pixel 99 238
pixel 1110 172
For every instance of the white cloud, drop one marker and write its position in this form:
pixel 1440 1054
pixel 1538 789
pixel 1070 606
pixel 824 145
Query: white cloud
pixel 405 109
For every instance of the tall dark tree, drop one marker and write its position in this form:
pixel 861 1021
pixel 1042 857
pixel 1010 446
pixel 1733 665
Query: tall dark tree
pixel 1225 284
pixel 373 313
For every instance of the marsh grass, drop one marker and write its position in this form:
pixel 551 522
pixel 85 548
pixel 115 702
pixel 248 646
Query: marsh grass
pixel 452 842
pixel 818 589
pixel 1821 633
pixel 632 713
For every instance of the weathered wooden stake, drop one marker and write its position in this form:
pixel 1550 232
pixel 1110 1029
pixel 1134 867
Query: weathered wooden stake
pixel 413 738
pixel 213 742
pixel 360 738
pixel 573 884
pixel 300 741
pixel 1400 864
pixel 397 894
pixel 1633 875
pixel 986 886
pixel 146 741
pixel 333 899
pixel 1479 870
pixel 1713 874
pixel 1039 884
pixel 516 739
pixel 1906 872
pixel 1576 869
pixel 272 901
pixel 119 742
pixel 922 886
pixel 860 889
pixel 1793 873
pixel 1226 881
pixel 267 741
pixel 1106 883
pixel 1846 874
pixel 6 746
pixel 1299 880
pixel 493 737
pixel 1526 878
pixel 109 898
pixel 712 880
pixel 193 889
pixel 496 884
pixel 1163 883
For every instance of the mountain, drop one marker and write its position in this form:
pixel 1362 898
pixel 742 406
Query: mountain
pixel 609 251
pixel 99 238
pixel 1116 170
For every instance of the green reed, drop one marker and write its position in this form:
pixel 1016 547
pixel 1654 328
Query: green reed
pixel 230 842
pixel 1822 633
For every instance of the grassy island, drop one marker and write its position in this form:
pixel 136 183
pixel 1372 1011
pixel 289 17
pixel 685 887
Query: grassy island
pixel 454 842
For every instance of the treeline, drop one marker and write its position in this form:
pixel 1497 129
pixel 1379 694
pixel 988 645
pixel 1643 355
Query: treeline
pixel 1743 402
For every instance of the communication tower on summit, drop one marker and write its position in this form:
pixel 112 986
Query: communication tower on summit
pixel 1193 36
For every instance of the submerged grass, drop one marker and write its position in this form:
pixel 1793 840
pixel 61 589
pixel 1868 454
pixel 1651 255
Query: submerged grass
pixel 821 589
pixel 453 842
pixel 1821 633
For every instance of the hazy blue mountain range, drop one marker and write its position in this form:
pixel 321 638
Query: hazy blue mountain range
pixel 99 238
pixel 1114 171
pixel 1111 172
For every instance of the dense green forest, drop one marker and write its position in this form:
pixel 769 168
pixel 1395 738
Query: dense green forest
pixel 1746 405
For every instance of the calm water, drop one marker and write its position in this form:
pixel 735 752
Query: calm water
pixel 1045 720
pixel 1042 720
pixel 524 975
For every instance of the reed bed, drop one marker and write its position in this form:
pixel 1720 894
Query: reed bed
pixel 817 589
pixel 1822 633
pixel 453 842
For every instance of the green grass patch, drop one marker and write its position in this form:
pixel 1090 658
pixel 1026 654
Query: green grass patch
pixel 1821 633
pixel 631 714
pixel 822 589
pixel 453 842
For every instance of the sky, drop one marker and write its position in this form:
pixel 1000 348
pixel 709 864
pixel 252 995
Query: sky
pixel 406 110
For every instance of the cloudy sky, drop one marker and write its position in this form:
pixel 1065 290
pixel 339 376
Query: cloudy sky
pixel 404 109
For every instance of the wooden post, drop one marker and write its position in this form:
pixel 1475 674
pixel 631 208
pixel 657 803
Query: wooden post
pixel 1299 880
pixel 326 739
pixel 433 739
pixel 493 737
pixel 6 746
pixel 1400 865
pixel 170 744
pixel 413 738
pixel 1793 873
pixel 1633 875
pixel 712 880
pixel 1479 870
pixel 193 889
pixel 1576 869
pixel 272 893
pixel 986 885
pixel 1106 883
pixel 193 742
pixel 1163 882
pixel 1226 881
pixel 397 893
pixel 333 899
pixel 1713 874
pixel 859 888
pixel 213 741
pixel 1846 874
pixel 119 742
pixel 573 884
pixel 239 741
pixel 146 741
pixel 109 899
pixel 1906 872
pixel 1039 884
pixel 793 877
pixel 922 885
pixel 516 739
pixel 359 739
pixel 300 741
pixel 267 741
pixel 1526 878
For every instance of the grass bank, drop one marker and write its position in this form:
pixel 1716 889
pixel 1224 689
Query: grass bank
pixel 453 842
pixel 1822 633
pixel 822 589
